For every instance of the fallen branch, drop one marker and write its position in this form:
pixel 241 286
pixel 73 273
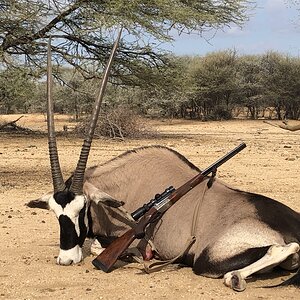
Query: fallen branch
pixel 285 126
pixel 10 124
pixel 13 127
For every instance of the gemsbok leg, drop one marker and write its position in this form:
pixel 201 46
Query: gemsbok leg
pixel 275 255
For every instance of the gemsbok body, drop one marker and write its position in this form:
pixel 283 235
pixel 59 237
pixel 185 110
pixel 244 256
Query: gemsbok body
pixel 236 233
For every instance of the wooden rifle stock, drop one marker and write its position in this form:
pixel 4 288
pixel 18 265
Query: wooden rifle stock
pixel 110 255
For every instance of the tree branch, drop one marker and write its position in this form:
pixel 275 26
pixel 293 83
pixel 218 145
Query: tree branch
pixel 7 43
pixel 12 123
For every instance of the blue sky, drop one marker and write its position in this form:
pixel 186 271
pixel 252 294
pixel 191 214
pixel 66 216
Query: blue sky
pixel 273 25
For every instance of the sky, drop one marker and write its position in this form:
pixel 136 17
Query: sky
pixel 273 25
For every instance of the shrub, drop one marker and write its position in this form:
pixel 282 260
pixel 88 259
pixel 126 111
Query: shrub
pixel 118 123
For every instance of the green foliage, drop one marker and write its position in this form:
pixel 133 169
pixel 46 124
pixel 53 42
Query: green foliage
pixel 251 86
pixel 168 93
pixel 74 94
pixel 281 76
pixel 220 85
pixel 83 31
pixel 16 90
pixel 217 86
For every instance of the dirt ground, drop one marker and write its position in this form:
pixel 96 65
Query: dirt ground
pixel 30 238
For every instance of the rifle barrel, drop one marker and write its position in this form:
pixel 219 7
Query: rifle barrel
pixel 223 159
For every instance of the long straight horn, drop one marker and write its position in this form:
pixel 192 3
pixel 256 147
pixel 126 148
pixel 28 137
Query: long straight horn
pixel 77 183
pixel 57 178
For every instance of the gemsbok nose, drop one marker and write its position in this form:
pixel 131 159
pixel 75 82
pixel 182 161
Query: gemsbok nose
pixel 68 257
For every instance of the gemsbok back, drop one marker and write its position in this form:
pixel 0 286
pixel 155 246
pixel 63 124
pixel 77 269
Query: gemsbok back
pixel 236 233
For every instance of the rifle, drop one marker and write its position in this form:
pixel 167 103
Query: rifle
pixel 157 199
pixel 152 211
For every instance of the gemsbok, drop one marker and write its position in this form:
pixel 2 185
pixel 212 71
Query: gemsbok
pixel 236 233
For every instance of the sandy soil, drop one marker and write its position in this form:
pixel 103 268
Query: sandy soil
pixel 29 238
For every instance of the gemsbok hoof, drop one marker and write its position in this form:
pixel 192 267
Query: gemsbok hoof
pixel 237 282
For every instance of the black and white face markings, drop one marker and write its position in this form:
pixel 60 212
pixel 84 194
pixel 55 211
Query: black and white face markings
pixel 71 212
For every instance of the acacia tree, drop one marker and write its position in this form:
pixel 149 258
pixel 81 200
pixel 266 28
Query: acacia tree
pixel 216 84
pixel 169 95
pixel 251 87
pixel 74 95
pixel 281 77
pixel 83 30
pixel 16 90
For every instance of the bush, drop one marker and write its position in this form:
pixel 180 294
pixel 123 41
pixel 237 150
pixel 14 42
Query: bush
pixel 120 122
pixel 219 114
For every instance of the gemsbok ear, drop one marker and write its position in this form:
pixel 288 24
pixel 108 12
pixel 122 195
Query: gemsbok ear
pixel 112 202
pixel 41 202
